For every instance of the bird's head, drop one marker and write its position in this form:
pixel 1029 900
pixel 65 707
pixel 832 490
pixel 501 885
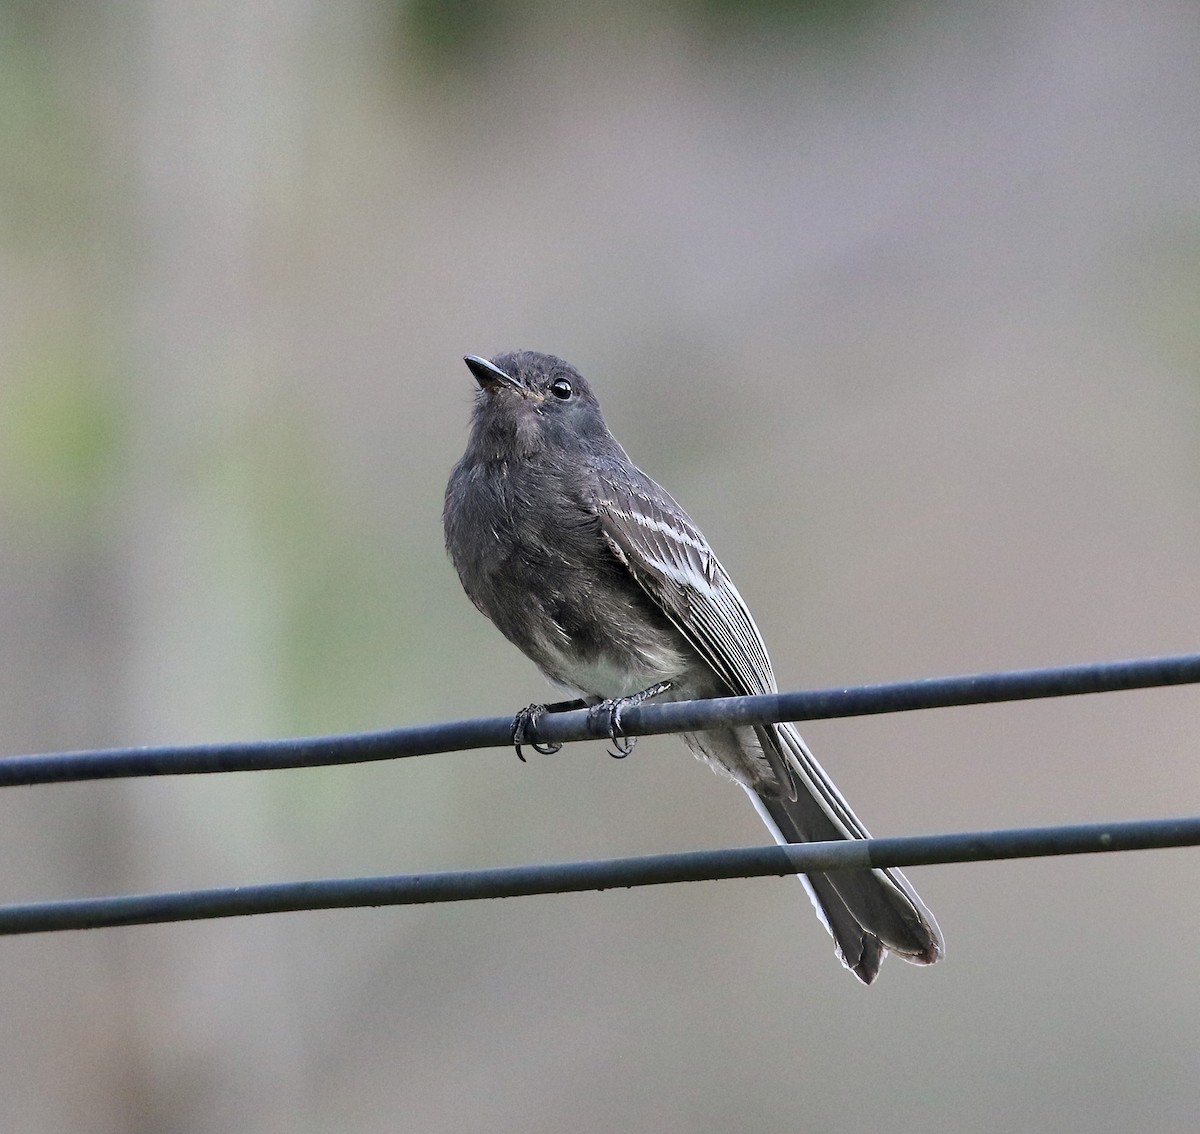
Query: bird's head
pixel 530 404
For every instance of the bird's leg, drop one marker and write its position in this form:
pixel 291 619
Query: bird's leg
pixel 528 717
pixel 614 707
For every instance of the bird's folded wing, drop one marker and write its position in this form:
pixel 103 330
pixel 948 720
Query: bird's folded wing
pixel 671 560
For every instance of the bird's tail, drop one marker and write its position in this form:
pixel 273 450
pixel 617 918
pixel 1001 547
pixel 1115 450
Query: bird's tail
pixel 867 912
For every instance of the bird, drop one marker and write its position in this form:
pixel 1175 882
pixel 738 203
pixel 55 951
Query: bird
pixel 599 577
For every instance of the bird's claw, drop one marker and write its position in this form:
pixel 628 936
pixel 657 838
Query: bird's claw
pixel 614 707
pixel 522 722
pixel 622 746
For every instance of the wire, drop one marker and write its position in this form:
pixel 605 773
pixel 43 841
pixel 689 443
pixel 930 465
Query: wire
pixel 640 720
pixel 507 882
pixel 683 716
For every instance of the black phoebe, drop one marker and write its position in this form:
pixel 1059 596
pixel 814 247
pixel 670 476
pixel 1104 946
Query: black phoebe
pixel 601 579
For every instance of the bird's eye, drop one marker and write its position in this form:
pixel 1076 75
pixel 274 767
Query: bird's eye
pixel 561 388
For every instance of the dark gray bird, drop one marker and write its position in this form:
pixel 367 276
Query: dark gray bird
pixel 602 580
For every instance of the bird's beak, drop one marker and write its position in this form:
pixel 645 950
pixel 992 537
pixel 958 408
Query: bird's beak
pixel 488 375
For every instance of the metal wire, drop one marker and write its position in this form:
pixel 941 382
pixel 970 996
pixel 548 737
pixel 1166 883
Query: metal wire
pixel 641 720
pixel 141 909
pixel 507 882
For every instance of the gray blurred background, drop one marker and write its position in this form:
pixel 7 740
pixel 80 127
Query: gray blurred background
pixel 902 301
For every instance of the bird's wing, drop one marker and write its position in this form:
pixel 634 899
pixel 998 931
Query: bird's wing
pixel 672 562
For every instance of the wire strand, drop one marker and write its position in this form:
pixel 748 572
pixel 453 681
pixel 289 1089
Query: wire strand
pixel 639 720
pixel 605 874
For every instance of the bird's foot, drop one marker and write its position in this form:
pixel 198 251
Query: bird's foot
pixel 613 707
pixel 528 717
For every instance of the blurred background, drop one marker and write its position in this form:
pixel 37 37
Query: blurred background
pixel 902 301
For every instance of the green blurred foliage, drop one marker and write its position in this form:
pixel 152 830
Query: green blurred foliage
pixel 321 584
pixel 460 33
pixel 1171 314
pixel 737 17
pixel 47 187
pixel 456 32
pixel 61 432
